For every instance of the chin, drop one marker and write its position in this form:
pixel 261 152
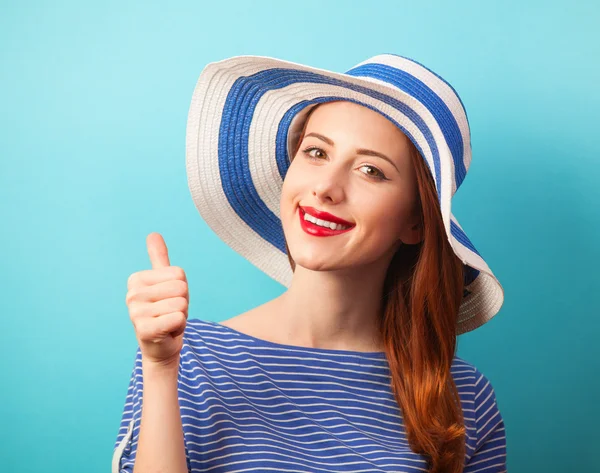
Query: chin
pixel 316 267
pixel 318 260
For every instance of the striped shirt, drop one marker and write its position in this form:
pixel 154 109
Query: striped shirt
pixel 249 404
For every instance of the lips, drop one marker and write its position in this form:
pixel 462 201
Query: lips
pixel 326 216
pixel 318 230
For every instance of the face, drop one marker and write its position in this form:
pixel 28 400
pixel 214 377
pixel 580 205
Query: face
pixel 355 165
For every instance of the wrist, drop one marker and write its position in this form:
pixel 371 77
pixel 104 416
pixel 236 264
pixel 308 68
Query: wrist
pixel 169 365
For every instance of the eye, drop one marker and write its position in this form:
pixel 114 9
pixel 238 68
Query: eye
pixel 308 150
pixel 378 176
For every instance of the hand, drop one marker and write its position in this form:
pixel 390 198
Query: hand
pixel 158 301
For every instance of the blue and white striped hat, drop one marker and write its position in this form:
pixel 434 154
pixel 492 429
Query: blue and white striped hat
pixel 246 112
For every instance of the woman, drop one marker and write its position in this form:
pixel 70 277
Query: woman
pixel 338 186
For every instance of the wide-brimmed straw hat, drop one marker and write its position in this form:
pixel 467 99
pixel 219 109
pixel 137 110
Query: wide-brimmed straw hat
pixel 246 112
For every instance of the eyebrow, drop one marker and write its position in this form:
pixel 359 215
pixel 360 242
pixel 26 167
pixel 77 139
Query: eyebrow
pixel 364 151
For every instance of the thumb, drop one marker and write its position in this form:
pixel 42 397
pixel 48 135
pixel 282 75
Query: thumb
pixel 157 250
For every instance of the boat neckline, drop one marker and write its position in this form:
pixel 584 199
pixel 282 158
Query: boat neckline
pixel 312 350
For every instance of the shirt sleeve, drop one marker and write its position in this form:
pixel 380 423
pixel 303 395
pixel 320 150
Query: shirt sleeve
pixel 490 451
pixel 126 444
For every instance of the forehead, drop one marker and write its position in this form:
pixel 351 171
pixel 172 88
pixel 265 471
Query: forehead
pixel 354 122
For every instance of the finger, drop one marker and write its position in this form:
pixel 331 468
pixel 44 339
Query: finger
pixel 165 306
pixel 156 329
pixel 157 250
pixel 173 322
pixel 149 277
pixel 158 292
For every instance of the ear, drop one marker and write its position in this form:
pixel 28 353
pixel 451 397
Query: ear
pixel 412 235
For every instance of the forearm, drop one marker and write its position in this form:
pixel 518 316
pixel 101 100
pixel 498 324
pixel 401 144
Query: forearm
pixel 160 441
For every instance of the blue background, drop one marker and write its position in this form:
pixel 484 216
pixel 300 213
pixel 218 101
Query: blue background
pixel 94 100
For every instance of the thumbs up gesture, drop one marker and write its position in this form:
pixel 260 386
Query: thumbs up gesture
pixel 158 300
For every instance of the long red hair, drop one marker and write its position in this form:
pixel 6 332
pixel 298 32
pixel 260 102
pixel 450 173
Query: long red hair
pixel 422 293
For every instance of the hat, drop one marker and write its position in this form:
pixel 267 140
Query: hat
pixel 246 112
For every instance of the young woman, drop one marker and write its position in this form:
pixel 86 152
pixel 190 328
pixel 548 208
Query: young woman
pixel 339 187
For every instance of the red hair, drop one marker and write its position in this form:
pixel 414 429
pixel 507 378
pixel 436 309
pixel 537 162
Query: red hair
pixel 422 293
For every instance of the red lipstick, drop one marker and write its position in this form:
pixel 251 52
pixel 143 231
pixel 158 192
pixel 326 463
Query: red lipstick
pixel 317 230
pixel 325 216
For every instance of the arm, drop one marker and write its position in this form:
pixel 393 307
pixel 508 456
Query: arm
pixel 490 453
pixel 161 447
pixel 151 434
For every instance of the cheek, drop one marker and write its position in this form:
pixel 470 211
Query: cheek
pixel 290 198
pixel 296 181
pixel 384 219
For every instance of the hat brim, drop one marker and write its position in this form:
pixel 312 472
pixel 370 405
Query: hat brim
pixel 241 117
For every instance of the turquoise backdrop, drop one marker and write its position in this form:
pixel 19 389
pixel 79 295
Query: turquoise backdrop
pixel 93 106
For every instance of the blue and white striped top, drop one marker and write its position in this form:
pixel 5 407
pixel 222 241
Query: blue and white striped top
pixel 253 405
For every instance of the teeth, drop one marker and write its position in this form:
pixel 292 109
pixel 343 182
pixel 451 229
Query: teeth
pixel 324 223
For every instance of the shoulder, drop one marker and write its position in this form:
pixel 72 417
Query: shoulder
pixel 210 337
pixel 202 330
pixel 256 322
pixel 474 384
pixel 468 375
pixel 480 403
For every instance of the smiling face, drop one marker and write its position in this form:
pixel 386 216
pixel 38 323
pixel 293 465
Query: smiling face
pixel 356 165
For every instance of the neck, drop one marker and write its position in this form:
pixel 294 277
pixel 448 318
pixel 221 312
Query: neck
pixel 332 309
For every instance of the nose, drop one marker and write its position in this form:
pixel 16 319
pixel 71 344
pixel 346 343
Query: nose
pixel 328 186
